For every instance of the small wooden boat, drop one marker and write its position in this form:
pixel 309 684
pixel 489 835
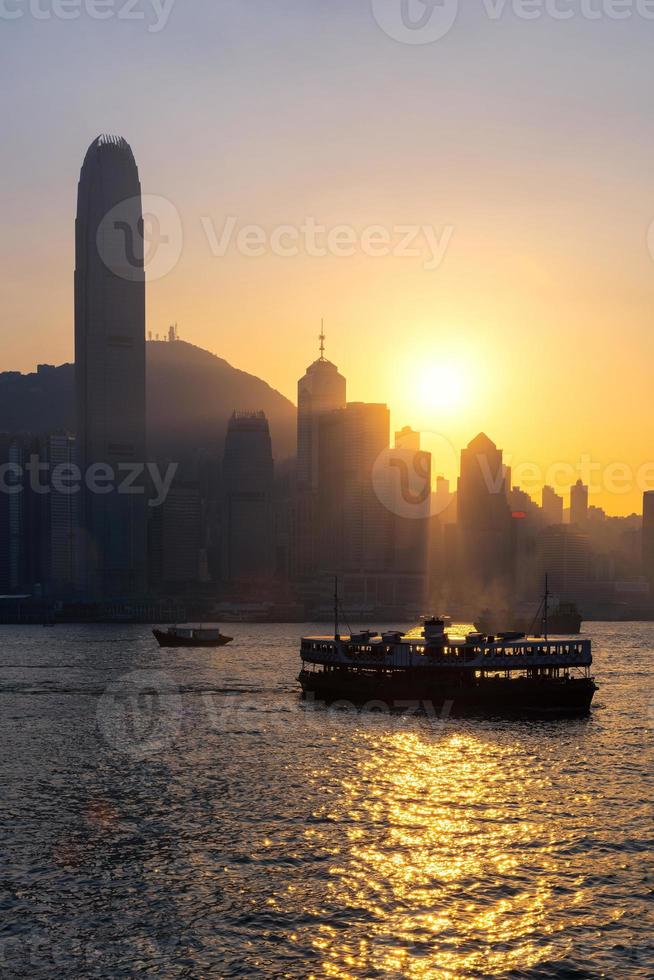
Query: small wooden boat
pixel 191 636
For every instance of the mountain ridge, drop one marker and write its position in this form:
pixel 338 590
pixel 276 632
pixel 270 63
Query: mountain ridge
pixel 190 392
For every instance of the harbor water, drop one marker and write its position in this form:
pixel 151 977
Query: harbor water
pixel 183 813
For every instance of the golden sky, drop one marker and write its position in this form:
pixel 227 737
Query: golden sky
pixel 524 147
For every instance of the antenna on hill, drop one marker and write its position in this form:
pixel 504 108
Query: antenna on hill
pixel 322 340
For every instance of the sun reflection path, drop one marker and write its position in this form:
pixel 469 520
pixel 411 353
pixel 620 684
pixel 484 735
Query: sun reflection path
pixel 432 866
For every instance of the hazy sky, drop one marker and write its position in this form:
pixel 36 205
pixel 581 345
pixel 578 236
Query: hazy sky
pixel 525 146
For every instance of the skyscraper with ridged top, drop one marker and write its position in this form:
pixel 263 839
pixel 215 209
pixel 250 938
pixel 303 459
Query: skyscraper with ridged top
pixel 110 369
pixel 321 390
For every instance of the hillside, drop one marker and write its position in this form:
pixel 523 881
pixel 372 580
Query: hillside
pixel 190 396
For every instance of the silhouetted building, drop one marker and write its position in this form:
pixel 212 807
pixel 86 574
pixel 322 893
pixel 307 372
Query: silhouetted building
pixel 175 537
pixel 579 504
pixel 565 556
pixel 59 518
pixel 648 537
pixel 14 561
pixel 110 367
pixel 552 505
pixel 406 473
pixel 247 513
pixel 365 537
pixel 407 438
pixel 484 517
pixel 321 390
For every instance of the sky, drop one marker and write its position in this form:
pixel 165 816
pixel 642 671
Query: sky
pixel 487 193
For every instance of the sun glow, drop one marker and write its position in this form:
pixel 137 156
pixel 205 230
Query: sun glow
pixel 440 386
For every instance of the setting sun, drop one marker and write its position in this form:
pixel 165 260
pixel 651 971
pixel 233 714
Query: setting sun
pixel 440 386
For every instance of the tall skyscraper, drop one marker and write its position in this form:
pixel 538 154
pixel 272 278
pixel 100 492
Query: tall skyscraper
pixel 110 367
pixel 175 537
pixel 355 527
pixel 59 522
pixel 565 556
pixel 484 516
pixel 648 538
pixel 579 504
pixel 247 514
pixel 407 438
pixel 13 515
pixel 552 505
pixel 320 391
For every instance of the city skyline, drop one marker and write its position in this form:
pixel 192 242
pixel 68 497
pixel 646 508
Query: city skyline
pixel 546 284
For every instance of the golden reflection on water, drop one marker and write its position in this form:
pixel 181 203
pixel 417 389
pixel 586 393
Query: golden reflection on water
pixel 431 838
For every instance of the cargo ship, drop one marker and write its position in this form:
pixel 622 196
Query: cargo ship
pixel 497 674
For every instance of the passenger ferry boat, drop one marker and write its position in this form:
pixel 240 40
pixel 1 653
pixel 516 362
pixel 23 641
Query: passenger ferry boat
pixel 191 636
pixel 507 673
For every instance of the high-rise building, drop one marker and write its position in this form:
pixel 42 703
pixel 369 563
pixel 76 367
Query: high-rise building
pixel 14 573
pixel 409 497
pixel 407 438
pixel 110 368
pixel 364 535
pixel 247 513
pixel 552 505
pixel 484 516
pixel 59 519
pixel 648 537
pixel 175 538
pixel 320 391
pixel 579 504
pixel 564 554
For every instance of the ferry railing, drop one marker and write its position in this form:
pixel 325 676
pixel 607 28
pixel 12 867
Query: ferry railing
pixel 486 656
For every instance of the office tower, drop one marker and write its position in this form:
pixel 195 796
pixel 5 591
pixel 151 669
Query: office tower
pixel 247 510
pixel 648 537
pixel 564 554
pixel 552 505
pixel 407 438
pixel 175 537
pixel 321 390
pixel 366 432
pixel 579 504
pixel 353 524
pixel 484 516
pixel 13 516
pixel 409 499
pixel 59 517
pixel 110 368
pixel 359 518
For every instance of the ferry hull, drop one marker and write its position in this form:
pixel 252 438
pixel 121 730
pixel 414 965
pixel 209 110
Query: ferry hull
pixel 538 697
pixel 165 639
